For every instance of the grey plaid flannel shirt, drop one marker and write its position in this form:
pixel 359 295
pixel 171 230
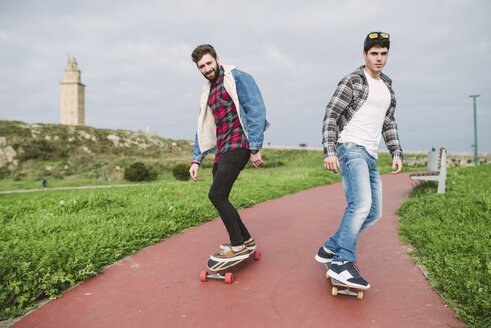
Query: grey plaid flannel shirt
pixel 350 94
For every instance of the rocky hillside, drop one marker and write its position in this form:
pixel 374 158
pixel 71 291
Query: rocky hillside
pixel 36 150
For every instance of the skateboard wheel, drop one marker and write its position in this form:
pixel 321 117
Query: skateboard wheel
pixel 257 255
pixel 334 291
pixel 360 295
pixel 229 278
pixel 203 276
pixel 327 275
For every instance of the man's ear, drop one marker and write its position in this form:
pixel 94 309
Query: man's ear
pixel 218 60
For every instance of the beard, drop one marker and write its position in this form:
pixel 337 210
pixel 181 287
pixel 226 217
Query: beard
pixel 214 77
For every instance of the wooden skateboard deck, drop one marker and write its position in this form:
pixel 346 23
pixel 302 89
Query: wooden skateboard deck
pixel 218 267
pixel 345 289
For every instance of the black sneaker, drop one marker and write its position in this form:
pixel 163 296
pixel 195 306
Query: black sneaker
pixel 347 273
pixel 324 255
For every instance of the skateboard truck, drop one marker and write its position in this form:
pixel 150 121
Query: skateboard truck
pixel 228 277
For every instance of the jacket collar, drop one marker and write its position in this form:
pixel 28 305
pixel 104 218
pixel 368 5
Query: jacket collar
pixel 229 67
pixel 227 70
pixel 361 71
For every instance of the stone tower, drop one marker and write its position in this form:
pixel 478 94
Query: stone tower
pixel 72 96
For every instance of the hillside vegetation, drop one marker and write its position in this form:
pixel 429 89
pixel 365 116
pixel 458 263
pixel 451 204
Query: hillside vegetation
pixel 33 151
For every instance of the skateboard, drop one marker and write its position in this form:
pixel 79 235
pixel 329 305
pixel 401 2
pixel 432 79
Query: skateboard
pixel 339 288
pixel 217 268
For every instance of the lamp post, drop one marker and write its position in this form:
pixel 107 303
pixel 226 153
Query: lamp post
pixel 102 166
pixel 475 130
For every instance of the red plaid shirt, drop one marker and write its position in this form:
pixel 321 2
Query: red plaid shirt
pixel 230 134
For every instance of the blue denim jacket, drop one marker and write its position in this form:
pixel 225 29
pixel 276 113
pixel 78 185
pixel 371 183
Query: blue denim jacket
pixel 252 113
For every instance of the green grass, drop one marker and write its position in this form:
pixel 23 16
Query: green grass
pixel 451 234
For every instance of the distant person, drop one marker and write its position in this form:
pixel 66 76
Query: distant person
pixel 360 112
pixel 232 122
pixel 45 183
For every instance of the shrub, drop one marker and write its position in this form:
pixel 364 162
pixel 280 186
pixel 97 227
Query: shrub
pixel 140 172
pixel 181 171
pixel 19 176
pixel 37 149
pixel 152 173
pixel 4 172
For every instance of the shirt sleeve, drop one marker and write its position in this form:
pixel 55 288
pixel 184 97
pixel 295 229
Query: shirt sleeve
pixel 340 101
pixel 198 156
pixel 390 134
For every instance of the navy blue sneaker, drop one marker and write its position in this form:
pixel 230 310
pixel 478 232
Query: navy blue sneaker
pixel 347 273
pixel 324 255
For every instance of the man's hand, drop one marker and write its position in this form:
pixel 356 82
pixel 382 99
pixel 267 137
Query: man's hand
pixel 256 159
pixel 331 163
pixel 396 162
pixel 193 171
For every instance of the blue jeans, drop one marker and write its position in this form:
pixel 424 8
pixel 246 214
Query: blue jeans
pixel 363 189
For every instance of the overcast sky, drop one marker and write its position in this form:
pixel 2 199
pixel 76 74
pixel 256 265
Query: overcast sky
pixel 136 65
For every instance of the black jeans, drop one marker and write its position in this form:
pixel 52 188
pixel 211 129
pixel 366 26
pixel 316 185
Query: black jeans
pixel 225 172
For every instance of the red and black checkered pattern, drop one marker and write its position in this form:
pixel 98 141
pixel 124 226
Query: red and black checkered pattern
pixel 230 134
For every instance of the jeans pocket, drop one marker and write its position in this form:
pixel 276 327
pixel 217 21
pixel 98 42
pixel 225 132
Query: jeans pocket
pixel 349 145
pixel 341 168
pixel 344 148
pixel 340 150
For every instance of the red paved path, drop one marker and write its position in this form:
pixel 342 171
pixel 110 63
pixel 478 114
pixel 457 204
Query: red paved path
pixel 160 286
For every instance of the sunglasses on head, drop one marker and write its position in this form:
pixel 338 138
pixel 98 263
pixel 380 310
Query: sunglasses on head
pixel 378 35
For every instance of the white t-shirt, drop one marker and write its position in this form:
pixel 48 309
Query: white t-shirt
pixel 365 127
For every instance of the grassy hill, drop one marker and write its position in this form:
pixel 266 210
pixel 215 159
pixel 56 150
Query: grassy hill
pixel 29 152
